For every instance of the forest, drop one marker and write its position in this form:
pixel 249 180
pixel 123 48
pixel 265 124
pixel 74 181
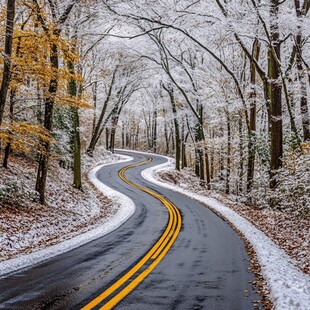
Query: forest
pixel 154 153
pixel 222 86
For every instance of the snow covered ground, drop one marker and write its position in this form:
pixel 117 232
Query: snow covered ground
pixel 62 240
pixel 289 287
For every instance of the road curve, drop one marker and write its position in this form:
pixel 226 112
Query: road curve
pixel 205 268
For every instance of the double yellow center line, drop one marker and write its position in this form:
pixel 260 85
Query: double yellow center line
pixel 127 283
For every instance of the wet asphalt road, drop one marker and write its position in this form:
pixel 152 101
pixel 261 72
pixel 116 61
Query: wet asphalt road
pixel 206 268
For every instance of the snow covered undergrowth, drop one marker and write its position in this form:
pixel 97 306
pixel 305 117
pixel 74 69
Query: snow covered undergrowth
pixel 288 229
pixel 289 287
pixel 31 233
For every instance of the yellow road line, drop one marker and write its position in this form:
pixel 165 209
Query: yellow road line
pixel 133 284
pixel 156 253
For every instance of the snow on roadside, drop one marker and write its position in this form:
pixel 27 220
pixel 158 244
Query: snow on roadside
pixel 124 209
pixel 289 287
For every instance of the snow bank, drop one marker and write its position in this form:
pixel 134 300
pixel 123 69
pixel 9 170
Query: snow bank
pixel 289 287
pixel 125 209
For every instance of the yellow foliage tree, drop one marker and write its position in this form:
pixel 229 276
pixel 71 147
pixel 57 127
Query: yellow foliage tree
pixel 39 74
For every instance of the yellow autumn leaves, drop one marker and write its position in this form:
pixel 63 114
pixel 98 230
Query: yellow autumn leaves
pixel 24 137
pixel 30 71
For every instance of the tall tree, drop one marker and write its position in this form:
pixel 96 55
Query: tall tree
pixel 301 13
pixel 253 98
pixel 10 15
pixel 170 92
pixel 73 91
pixel 49 100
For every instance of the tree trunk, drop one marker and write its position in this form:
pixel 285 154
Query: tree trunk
pixel 171 137
pixel 252 137
pixel 177 135
pixel 112 133
pixel 6 156
pixel 176 127
pixel 154 136
pixel 107 137
pixel 212 164
pixel 137 137
pixel 94 90
pixel 184 159
pixel 112 140
pixel 301 11
pixel 39 109
pixel 127 142
pixel 77 170
pixel 303 90
pixel 199 139
pixel 183 146
pixel 7 150
pixel 197 162
pixel 208 174
pixel 123 135
pixel 241 155
pixel 6 75
pixel 48 122
pixel 202 166
pixel 275 95
pixel 227 190
pixel 221 155
pixel 147 120
pixel 166 137
pixel 115 118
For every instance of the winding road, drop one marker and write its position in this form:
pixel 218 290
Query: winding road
pixel 173 253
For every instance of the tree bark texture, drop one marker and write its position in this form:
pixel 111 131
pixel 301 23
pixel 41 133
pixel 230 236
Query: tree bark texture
pixel 77 170
pixel 301 11
pixel 252 137
pixel 48 123
pixel 275 95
